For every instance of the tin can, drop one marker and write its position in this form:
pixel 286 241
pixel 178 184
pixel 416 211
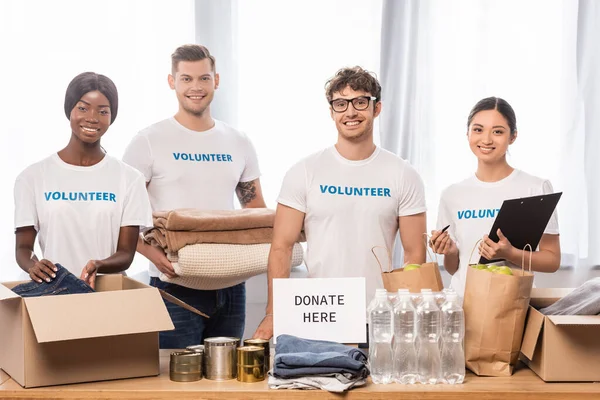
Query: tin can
pixel 185 366
pixel 198 348
pixel 250 364
pixel 220 358
pixel 264 344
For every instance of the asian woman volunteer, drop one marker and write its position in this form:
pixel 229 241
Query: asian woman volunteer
pixel 470 206
pixel 84 206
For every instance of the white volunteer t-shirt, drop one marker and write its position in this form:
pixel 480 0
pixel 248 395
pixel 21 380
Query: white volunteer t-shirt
pixel 350 207
pixel 189 169
pixel 78 211
pixel 470 208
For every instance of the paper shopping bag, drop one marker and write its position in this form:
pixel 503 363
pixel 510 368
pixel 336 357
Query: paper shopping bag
pixel 427 276
pixel 495 307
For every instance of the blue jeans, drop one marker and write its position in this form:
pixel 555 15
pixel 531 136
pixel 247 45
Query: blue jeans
pixel 225 307
pixel 64 283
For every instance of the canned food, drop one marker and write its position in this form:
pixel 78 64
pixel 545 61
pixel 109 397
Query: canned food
pixel 220 358
pixel 185 366
pixel 198 348
pixel 264 344
pixel 250 364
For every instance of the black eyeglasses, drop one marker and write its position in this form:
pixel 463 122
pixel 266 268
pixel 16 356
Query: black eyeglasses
pixel 359 103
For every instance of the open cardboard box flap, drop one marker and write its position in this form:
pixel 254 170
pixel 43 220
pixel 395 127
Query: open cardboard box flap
pixel 53 319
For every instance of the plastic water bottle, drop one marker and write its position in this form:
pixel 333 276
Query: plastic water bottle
pixel 405 332
pixel 429 328
pixel 381 331
pixel 453 332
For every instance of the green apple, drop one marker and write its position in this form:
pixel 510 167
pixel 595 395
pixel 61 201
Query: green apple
pixel 479 266
pixel 492 268
pixel 503 270
pixel 410 267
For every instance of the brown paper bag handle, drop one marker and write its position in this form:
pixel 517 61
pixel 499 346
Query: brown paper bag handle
pixel 473 251
pixel 428 249
pixel 377 258
pixel 523 259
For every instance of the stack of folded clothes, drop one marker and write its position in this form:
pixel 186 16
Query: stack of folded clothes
pixel 316 364
pixel 216 249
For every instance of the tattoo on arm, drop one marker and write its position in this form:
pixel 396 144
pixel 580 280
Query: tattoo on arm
pixel 246 192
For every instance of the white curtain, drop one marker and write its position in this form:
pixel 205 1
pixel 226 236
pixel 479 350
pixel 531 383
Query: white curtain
pixel 216 24
pixel 439 58
pixel 45 44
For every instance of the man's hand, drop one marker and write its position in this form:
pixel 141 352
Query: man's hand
pixel 265 329
pixel 43 270
pixel 164 265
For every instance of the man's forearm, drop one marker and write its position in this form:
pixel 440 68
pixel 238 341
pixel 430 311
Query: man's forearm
pixel 415 256
pixel 142 247
pixel 280 260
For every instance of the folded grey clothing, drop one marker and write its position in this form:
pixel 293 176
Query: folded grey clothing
pixel 337 383
pixel 297 357
pixel 585 300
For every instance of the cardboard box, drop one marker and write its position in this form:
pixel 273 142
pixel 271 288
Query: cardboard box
pixel 110 334
pixel 561 348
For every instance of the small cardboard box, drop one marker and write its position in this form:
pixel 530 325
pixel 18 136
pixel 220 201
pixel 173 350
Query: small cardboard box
pixel 110 334
pixel 560 348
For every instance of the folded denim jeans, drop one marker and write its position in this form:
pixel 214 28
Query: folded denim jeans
pixel 303 357
pixel 64 283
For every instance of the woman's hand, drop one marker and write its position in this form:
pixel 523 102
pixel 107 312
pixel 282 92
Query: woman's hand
pixel 442 243
pixel 88 275
pixel 43 270
pixel 492 250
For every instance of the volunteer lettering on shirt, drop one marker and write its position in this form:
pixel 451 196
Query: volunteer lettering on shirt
pixel 81 196
pixel 355 191
pixel 202 157
pixel 481 213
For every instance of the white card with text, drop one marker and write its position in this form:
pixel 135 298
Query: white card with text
pixel 331 309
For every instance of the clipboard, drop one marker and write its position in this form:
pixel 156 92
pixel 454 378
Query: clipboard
pixel 523 220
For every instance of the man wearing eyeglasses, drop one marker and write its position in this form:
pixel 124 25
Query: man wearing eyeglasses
pixel 349 197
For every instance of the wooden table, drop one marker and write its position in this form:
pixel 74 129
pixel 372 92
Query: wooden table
pixel 524 384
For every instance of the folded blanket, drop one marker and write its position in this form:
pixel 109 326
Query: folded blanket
pixel 217 266
pixel 585 300
pixel 173 241
pixel 191 219
pixel 297 357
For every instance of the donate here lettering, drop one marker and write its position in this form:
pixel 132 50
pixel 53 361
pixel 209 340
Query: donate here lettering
pixel 329 300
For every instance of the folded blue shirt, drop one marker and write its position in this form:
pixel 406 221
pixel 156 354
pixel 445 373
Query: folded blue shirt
pixel 304 357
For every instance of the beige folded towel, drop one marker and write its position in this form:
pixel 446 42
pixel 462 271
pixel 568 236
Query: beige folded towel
pixel 173 241
pixel 191 219
pixel 217 266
